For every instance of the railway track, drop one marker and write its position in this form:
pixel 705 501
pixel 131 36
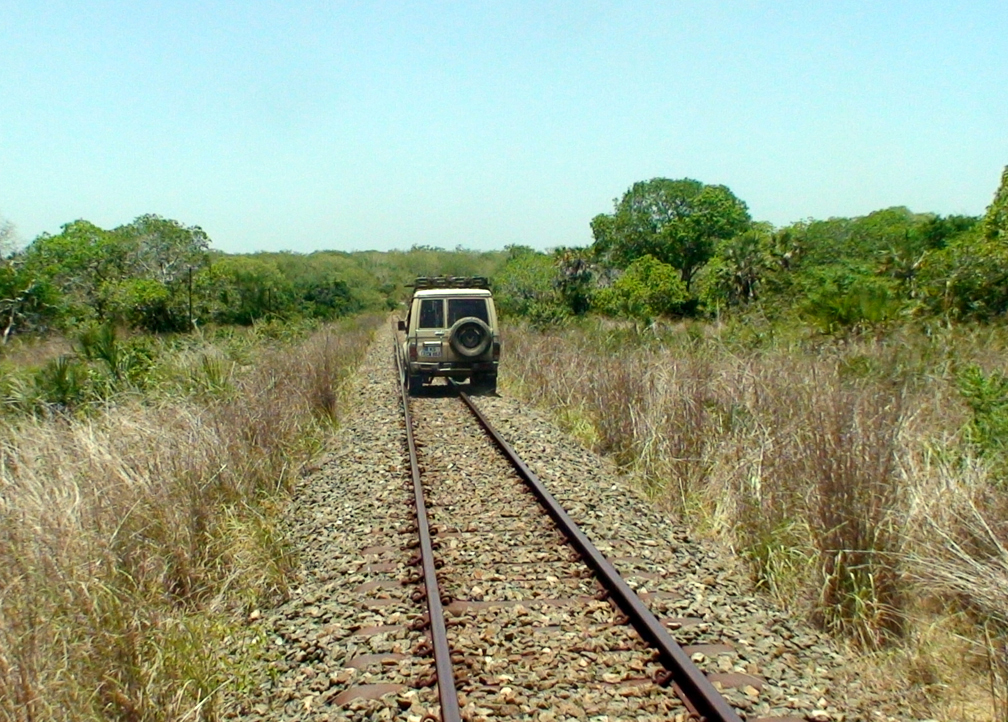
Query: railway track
pixel 528 635
pixel 524 613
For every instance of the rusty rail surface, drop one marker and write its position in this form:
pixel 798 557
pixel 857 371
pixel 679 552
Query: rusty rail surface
pixel 447 694
pixel 694 688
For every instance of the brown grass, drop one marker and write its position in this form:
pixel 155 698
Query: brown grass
pixel 128 536
pixel 837 470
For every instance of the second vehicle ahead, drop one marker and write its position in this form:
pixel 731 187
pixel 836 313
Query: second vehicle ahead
pixel 450 330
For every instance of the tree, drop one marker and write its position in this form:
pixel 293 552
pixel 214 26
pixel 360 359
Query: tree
pixel 100 271
pixel 527 281
pixel 574 279
pixel 740 265
pixel 968 277
pixel 78 262
pixel 326 299
pixel 936 232
pixel 677 222
pixel 8 237
pixel 27 301
pixel 161 249
pixel 995 222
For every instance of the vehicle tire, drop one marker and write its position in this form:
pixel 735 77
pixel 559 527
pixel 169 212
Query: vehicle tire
pixel 414 385
pixel 469 337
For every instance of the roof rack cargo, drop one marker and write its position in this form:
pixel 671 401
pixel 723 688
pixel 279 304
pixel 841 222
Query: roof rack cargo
pixel 425 282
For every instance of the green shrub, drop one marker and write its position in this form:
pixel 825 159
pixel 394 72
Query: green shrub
pixel 63 382
pixel 986 395
pixel 542 315
pixel 147 305
pixel 526 283
pixel 852 306
pixel 968 279
pixel 99 343
pixel 648 289
pixel 127 362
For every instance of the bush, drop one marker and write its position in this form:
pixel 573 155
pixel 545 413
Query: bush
pixel 987 398
pixel 648 289
pixel 146 305
pixel 852 304
pixel 526 284
pixel 968 279
pixel 63 382
pixel 542 315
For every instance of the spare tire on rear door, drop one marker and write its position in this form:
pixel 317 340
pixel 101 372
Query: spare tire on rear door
pixel 470 337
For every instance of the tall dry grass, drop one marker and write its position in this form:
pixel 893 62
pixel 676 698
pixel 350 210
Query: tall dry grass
pixel 840 471
pixel 129 535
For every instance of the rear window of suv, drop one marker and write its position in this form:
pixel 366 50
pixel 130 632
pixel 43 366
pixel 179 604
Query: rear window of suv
pixel 432 311
pixel 466 307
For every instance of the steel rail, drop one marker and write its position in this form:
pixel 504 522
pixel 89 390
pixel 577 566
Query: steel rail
pixel 695 686
pixel 447 693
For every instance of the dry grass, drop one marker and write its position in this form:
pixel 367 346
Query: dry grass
pixel 840 471
pixel 32 351
pixel 130 534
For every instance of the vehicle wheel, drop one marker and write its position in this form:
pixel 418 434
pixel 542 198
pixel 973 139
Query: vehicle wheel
pixel 414 385
pixel 470 337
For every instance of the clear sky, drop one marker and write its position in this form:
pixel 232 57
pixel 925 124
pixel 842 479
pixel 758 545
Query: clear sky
pixel 278 124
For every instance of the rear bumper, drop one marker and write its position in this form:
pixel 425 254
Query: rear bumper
pixel 450 369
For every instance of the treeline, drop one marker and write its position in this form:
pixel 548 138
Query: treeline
pixel 669 248
pixel 681 248
pixel 159 275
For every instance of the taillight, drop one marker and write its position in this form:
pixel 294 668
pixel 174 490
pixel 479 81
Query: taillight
pixel 412 351
pixel 496 350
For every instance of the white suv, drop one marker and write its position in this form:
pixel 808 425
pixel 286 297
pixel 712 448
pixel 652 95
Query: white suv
pixel 450 330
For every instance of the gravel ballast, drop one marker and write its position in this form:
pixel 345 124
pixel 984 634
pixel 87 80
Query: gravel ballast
pixel 344 645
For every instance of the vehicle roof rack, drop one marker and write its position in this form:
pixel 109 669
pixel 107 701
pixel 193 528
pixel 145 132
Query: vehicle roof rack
pixel 425 282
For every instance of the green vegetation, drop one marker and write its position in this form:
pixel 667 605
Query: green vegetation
pixel 648 289
pixel 676 222
pixel 830 398
pixel 863 481
pixel 840 276
pixel 143 480
pixel 986 396
pixel 159 275
pixel 156 399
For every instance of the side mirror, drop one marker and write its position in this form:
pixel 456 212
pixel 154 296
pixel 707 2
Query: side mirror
pixel 401 325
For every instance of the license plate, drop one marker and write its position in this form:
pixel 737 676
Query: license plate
pixel 430 349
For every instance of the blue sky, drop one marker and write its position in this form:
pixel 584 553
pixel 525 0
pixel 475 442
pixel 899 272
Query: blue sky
pixel 338 125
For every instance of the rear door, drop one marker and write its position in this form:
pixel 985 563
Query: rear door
pixel 430 329
pixel 465 307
